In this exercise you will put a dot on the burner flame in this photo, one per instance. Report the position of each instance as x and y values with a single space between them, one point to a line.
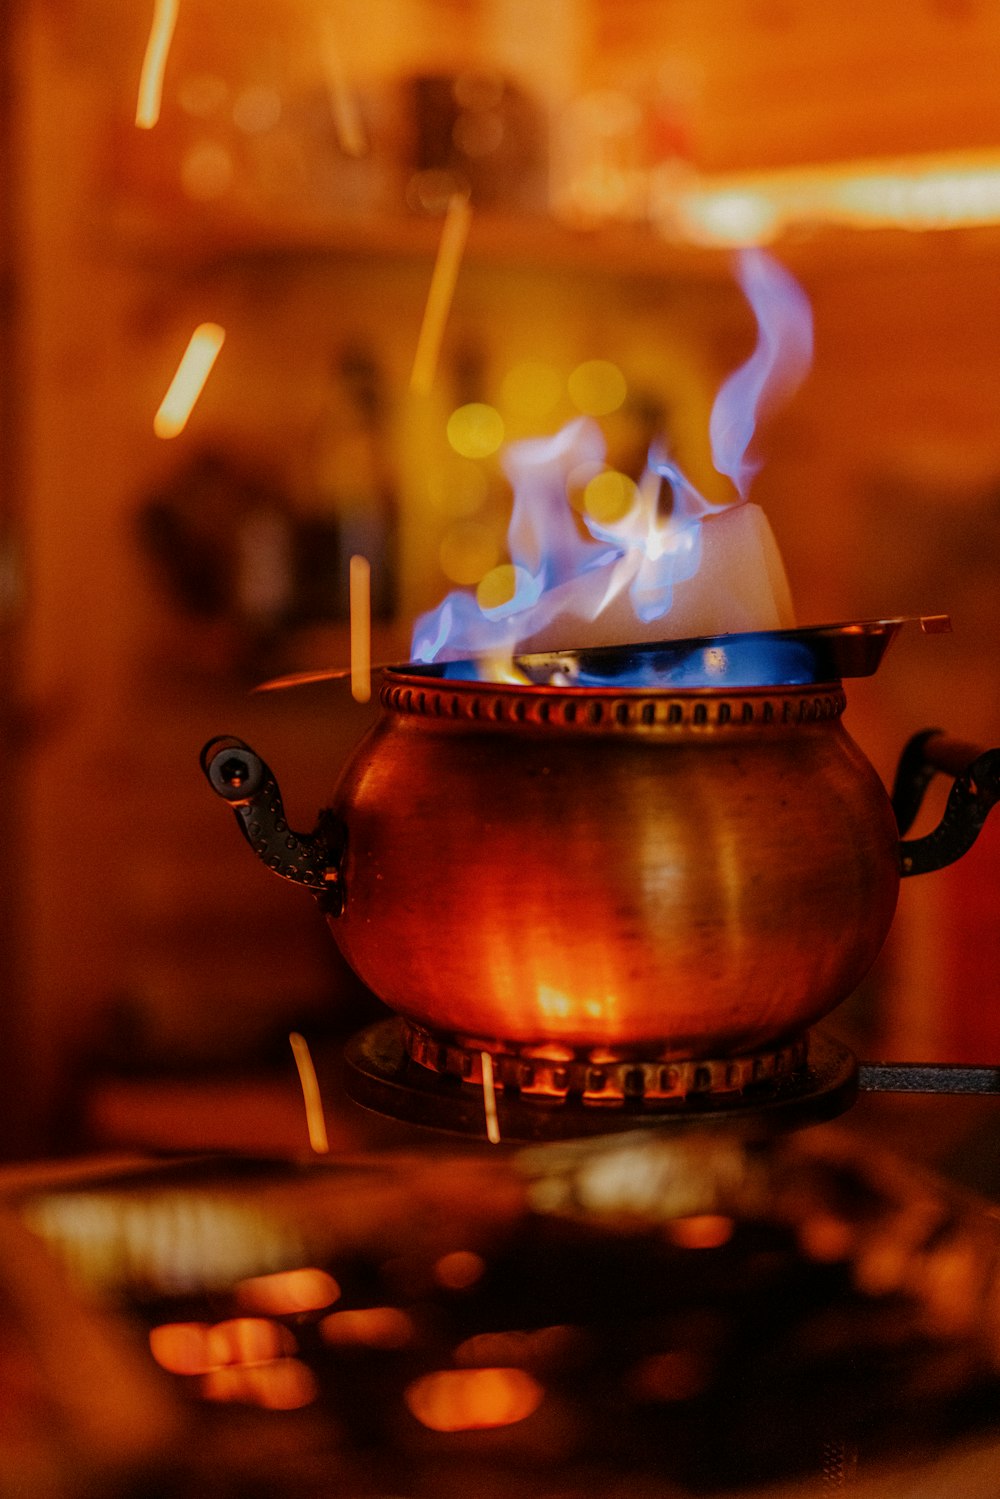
660 570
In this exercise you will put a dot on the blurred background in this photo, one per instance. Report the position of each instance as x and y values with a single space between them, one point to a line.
292 189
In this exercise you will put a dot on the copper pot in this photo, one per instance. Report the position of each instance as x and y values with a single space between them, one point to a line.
695 872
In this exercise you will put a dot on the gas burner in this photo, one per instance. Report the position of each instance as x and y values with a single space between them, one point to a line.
405 1071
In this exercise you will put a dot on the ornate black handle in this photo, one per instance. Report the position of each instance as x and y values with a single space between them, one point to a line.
240 777
975 792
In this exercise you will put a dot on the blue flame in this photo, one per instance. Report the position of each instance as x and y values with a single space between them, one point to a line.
560 572
775 369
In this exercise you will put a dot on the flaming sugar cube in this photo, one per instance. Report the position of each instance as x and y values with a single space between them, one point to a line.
740 584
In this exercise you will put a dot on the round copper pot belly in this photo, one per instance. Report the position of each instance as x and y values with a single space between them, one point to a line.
703 871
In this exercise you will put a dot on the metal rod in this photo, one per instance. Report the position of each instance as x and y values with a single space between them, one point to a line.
927 1077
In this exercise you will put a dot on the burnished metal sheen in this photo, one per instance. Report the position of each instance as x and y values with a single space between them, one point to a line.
610 877
695 872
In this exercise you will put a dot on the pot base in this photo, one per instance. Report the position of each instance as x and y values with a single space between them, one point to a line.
406 1072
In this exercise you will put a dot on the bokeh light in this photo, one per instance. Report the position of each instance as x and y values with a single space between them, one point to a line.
497 587
704 1231
207 171
597 387
284 1384
473 1399
609 496
476 430
468 550
288 1292
182 1347
368 1327
247 1340
531 390
459 1270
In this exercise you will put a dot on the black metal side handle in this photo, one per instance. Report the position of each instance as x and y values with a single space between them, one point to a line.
240 777
973 796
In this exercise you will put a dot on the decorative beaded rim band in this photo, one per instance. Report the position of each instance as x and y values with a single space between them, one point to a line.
611 708
600 1078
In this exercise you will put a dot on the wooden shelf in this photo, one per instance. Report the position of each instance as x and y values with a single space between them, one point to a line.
205 242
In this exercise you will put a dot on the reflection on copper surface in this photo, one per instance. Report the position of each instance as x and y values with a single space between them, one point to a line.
369 1327
459 1269
473 1399
282 1385
705 1231
288 1292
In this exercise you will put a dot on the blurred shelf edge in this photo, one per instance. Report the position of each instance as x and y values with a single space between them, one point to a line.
201 244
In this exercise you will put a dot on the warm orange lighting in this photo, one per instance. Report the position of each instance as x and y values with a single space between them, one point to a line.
284 1384
369 1327
934 191
309 1083
473 1399
454 234
288 1292
361 629
459 1270
154 63
490 1099
189 381
247 1340
182 1347
704 1231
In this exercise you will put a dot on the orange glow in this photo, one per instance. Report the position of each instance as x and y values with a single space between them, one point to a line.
288 1292
154 63
454 234
284 1384
370 1327
490 1099
473 1399
705 1231
189 381
361 629
541 1347
182 1347
459 1270
247 1340
934 191
309 1083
